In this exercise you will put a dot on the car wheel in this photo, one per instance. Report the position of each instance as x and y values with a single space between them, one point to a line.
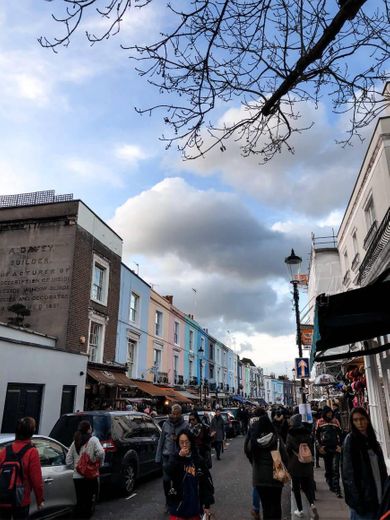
128 478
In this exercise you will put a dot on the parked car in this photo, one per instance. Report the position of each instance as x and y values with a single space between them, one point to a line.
232 425
60 497
204 415
160 420
129 440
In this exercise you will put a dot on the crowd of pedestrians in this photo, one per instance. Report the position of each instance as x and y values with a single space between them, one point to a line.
281 448
352 458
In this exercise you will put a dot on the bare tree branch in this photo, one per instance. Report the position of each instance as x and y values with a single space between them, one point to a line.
267 56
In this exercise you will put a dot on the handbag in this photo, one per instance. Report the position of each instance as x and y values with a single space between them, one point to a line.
86 467
280 472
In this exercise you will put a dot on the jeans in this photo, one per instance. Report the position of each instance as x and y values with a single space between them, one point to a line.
86 496
256 504
307 486
332 470
271 500
218 445
367 516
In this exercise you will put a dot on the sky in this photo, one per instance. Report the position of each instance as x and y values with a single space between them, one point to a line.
222 224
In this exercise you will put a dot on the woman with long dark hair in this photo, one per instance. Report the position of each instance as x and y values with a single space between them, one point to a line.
260 441
191 489
202 439
86 486
363 468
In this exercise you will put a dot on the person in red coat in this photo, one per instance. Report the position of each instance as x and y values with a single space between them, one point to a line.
32 472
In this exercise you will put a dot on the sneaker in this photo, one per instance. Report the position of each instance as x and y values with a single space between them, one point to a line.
255 515
298 513
339 494
314 513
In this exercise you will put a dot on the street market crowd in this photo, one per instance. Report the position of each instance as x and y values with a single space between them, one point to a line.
282 450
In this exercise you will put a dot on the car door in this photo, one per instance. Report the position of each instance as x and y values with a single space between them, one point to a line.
152 435
57 476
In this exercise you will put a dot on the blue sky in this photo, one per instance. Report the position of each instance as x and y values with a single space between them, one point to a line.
222 224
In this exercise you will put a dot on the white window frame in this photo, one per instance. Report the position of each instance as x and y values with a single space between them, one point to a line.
158 323
176 332
203 345
131 372
191 340
190 368
346 260
105 266
369 212
355 241
134 311
94 318
157 356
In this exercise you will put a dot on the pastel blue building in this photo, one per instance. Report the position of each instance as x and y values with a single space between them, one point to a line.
131 344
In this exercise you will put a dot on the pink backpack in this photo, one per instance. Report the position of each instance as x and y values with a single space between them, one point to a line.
304 454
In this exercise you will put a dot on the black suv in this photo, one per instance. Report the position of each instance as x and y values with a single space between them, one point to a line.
129 440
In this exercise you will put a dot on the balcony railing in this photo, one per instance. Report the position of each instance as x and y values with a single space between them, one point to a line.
162 377
378 242
370 235
193 381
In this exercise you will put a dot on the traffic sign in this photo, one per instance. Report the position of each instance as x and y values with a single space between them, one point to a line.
302 367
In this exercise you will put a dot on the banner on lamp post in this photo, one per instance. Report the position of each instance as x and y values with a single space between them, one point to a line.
307 334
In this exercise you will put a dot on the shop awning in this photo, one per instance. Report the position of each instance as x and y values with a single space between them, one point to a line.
108 377
159 391
344 319
188 395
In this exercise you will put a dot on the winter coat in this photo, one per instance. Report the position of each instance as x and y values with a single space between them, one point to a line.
281 427
93 448
358 480
167 441
32 471
328 435
191 486
218 426
295 437
258 452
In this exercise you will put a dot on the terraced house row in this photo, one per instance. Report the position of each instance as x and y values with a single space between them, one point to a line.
62 281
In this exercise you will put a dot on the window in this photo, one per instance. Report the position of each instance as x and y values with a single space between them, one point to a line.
158 323
355 242
100 273
346 264
202 344
95 343
191 340
190 369
211 371
369 213
157 357
134 307
50 453
211 351
131 356
176 333
67 399
175 367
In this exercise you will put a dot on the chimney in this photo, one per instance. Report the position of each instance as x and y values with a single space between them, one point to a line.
169 298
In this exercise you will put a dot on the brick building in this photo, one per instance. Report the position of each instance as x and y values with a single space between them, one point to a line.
62 262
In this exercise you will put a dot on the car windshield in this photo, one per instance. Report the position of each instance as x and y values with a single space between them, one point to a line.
66 426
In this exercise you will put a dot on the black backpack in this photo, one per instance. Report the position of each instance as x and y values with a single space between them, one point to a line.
12 477
330 436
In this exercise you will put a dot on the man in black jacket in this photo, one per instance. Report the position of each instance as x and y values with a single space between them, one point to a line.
329 440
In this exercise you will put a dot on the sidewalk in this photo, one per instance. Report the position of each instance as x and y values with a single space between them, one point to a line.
329 507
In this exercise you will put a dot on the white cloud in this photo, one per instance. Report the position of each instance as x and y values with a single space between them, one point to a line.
87 171
314 181
130 153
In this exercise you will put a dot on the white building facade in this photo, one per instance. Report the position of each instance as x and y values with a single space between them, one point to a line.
37 379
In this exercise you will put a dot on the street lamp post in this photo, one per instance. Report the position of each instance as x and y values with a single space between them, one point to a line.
293 263
200 352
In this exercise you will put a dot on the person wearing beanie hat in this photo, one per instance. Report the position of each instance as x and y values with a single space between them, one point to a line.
329 441
302 473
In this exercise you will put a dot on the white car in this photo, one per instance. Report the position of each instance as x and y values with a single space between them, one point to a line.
59 493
